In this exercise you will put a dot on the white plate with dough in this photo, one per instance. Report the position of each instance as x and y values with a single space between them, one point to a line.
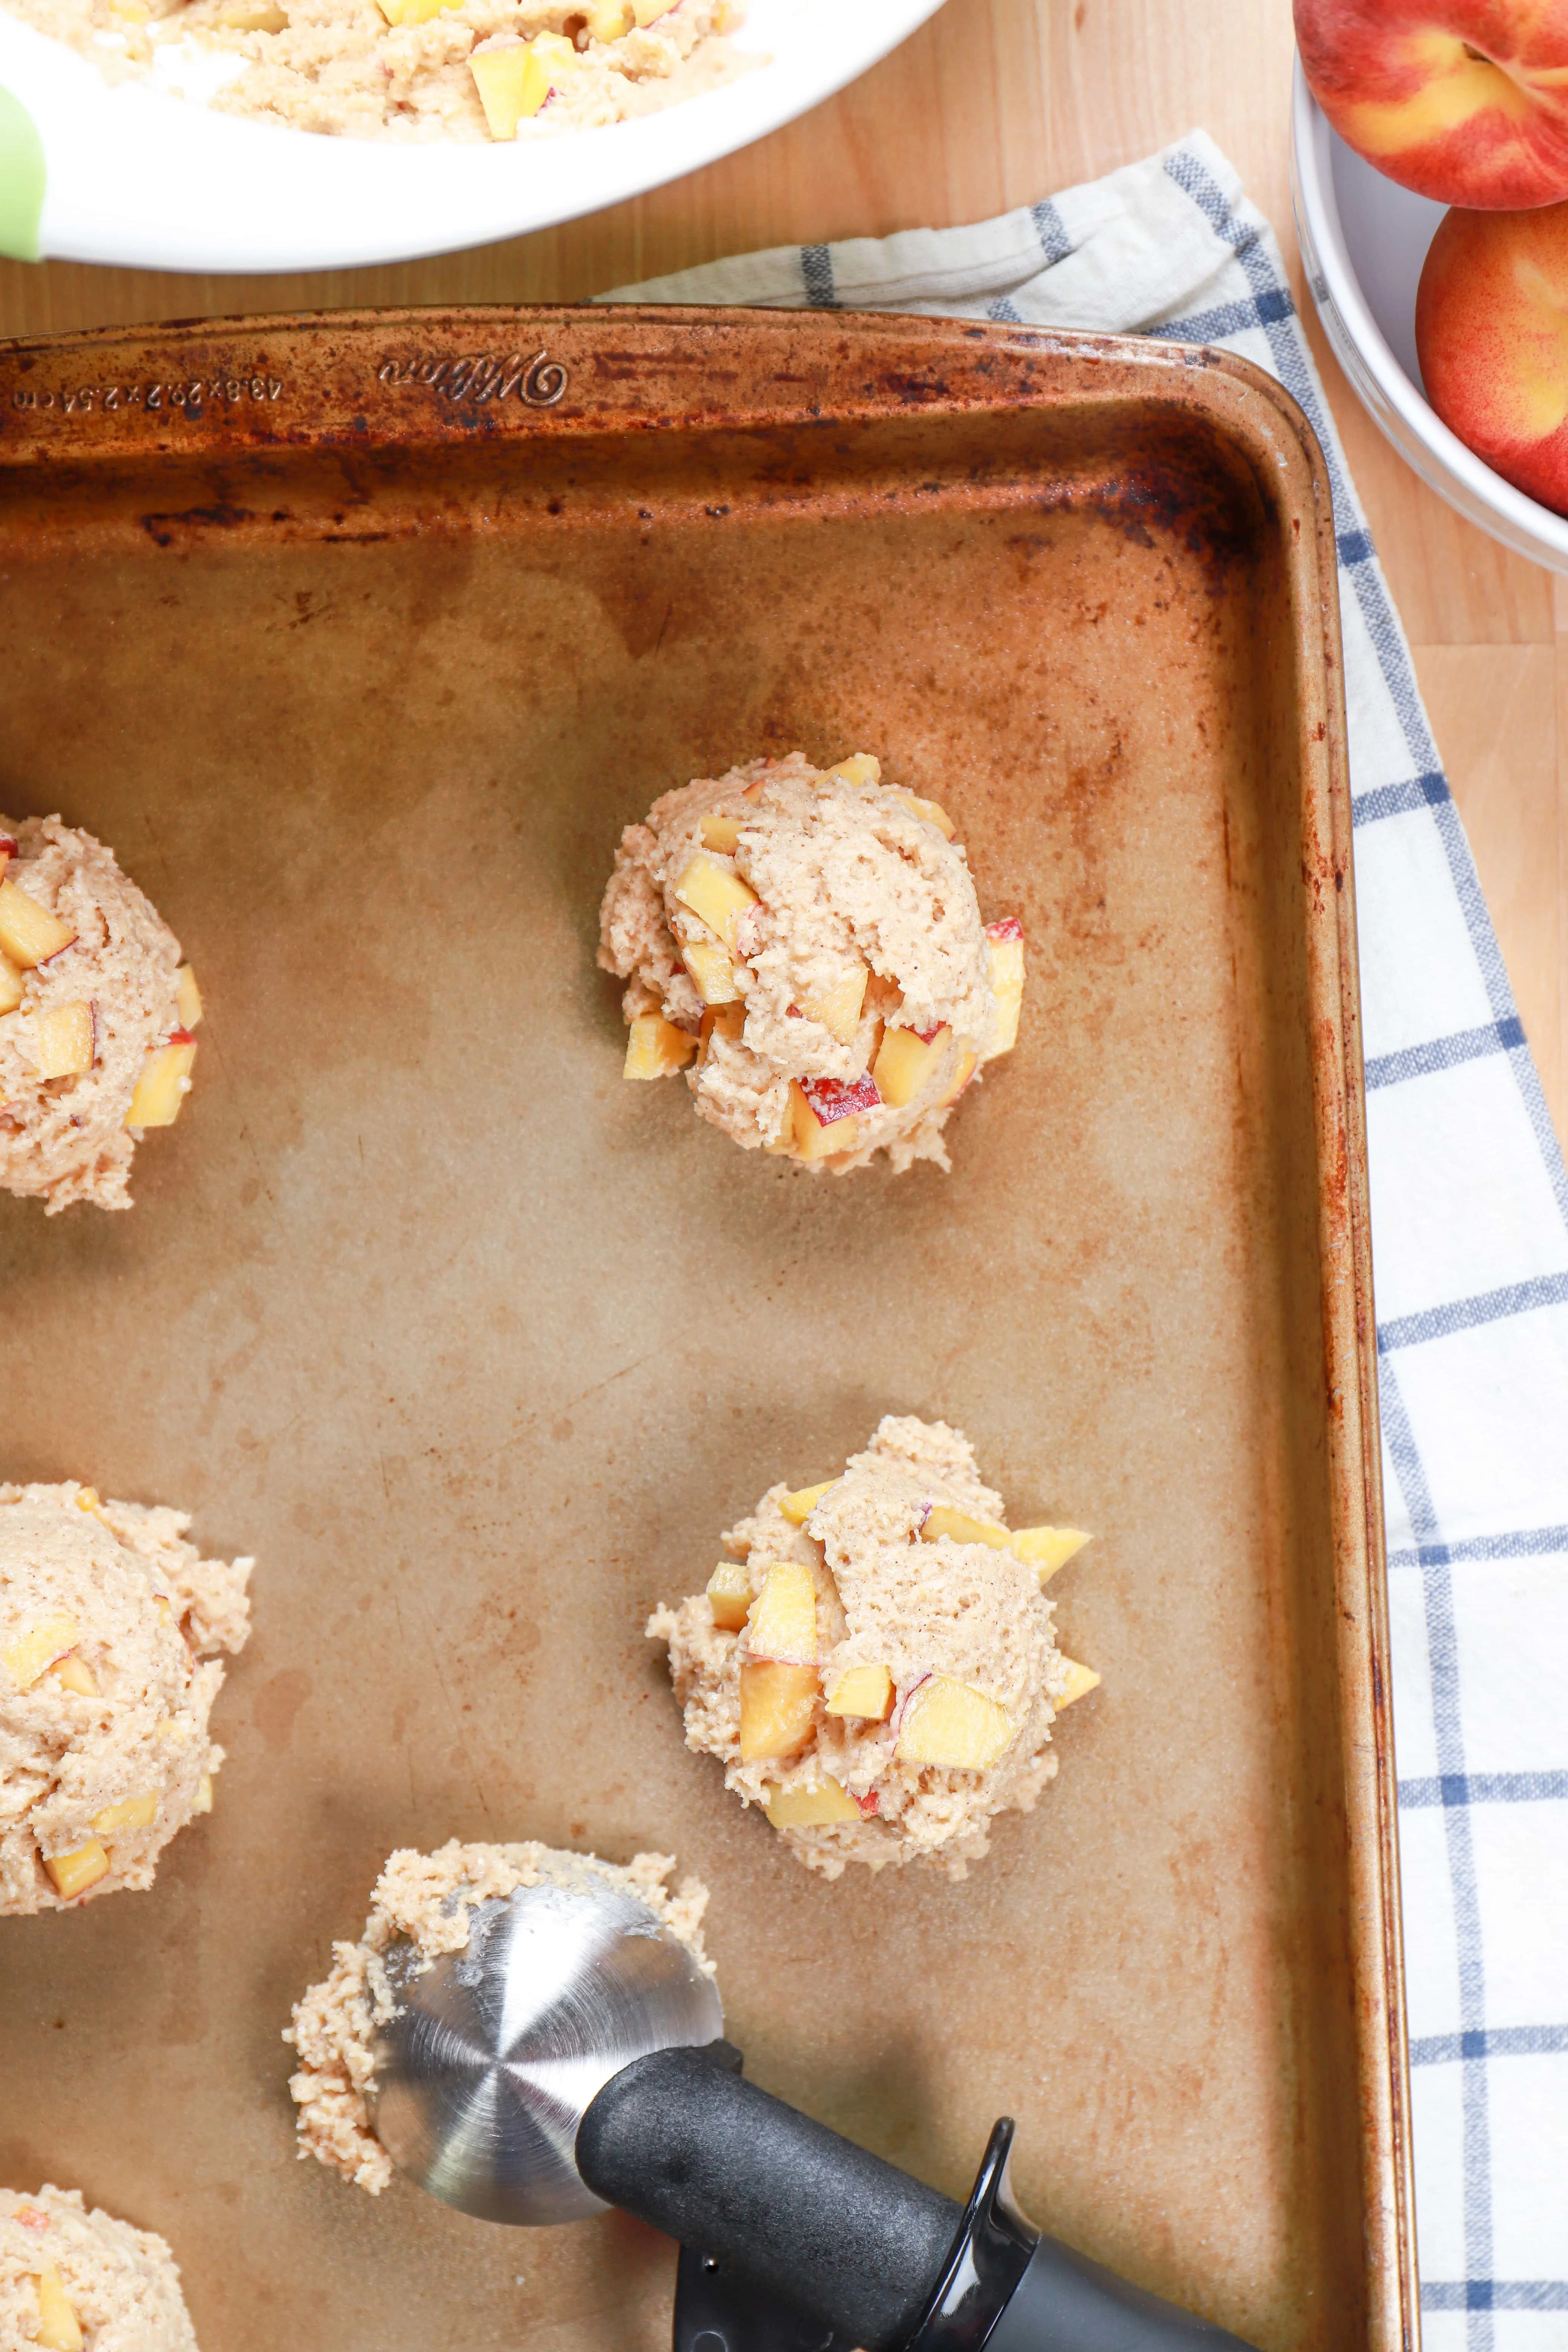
132 175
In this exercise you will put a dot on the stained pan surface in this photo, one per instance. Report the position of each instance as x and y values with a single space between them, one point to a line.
360 640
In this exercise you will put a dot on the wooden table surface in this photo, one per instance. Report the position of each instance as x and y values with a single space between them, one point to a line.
994 103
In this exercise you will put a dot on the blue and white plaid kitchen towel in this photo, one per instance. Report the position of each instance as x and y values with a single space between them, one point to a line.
1469 1206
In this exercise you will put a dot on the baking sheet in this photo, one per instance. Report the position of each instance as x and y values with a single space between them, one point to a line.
359 658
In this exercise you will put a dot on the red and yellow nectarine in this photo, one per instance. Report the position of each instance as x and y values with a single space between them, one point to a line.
1491 333
1464 101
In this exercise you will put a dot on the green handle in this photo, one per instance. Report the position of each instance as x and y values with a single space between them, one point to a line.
22 179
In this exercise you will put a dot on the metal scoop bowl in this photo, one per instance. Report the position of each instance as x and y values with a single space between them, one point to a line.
496 2053
569 2059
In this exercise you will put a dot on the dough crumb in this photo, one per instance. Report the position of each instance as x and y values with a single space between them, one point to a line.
121 2285
943 1643
109 1620
806 944
426 1898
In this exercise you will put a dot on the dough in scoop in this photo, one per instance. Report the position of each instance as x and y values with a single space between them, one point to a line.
59 2261
105 1006
426 1898
107 1621
807 943
877 1667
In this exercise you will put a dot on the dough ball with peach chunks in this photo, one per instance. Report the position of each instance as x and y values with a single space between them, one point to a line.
97 1013
806 945
108 1622
876 1665
425 1901
78 2281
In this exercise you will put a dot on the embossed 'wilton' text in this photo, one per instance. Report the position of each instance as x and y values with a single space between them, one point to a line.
538 382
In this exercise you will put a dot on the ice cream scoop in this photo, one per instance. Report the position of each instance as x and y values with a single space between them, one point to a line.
483 2077
572 2057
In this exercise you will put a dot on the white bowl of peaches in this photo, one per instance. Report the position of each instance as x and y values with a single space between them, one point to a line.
1430 176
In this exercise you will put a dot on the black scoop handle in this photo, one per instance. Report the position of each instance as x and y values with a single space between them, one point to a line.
792 2210
682 2142
1065 2302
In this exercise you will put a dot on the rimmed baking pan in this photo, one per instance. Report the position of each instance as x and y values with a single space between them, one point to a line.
360 638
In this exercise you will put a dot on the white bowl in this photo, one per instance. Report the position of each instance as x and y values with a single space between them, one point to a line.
139 177
1364 240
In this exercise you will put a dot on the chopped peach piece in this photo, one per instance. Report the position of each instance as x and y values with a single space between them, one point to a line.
74 1872
40 1647
557 50
825 1114
204 1799
838 1006
66 1040
412 12
810 1807
60 2329
608 19
513 79
29 934
721 1021
130 1813
864 1691
1047 1548
75 1674
712 970
1004 948
968 1065
656 1048
905 1061
730 1595
716 894
161 1088
1079 1680
187 998
931 811
649 12
860 768
778 1705
799 1507
950 1723
942 1520
10 985
722 833
783 1623
809 1137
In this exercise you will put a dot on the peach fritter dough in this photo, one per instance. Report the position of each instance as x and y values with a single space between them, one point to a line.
426 1898
69 2275
340 67
807 944
104 1005
876 1666
108 1622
